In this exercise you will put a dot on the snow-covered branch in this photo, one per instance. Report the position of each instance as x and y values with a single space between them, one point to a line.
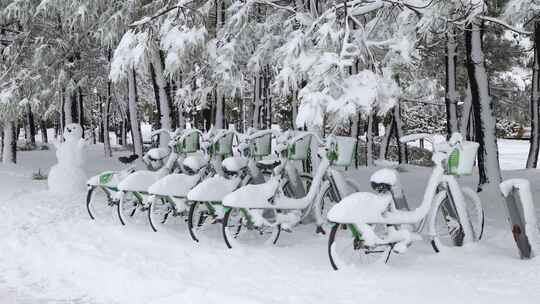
505 25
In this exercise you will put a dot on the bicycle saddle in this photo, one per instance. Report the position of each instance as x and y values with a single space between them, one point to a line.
158 153
192 164
234 164
268 164
128 159
384 180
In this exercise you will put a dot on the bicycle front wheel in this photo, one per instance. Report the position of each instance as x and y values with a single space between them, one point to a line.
475 212
127 207
325 203
346 248
201 217
159 211
237 228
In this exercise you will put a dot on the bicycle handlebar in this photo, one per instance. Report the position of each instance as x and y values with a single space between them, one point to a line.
439 142
261 133
165 131
415 137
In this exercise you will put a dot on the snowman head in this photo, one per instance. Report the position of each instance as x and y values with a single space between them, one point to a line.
72 132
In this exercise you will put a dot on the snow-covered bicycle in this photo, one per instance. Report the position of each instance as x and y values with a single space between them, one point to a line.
167 197
250 168
368 227
106 182
133 189
258 213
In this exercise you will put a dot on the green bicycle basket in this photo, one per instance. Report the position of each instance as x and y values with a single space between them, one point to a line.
261 146
190 142
461 159
343 153
299 148
223 145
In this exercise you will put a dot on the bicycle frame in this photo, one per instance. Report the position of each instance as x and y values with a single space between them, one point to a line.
325 176
423 216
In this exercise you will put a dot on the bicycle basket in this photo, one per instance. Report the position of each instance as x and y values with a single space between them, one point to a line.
344 151
462 157
190 142
223 146
261 145
298 149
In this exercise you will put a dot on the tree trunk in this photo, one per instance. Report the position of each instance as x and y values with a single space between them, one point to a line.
267 99
101 127
133 116
105 122
451 98
80 110
155 120
123 132
9 145
466 113
256 120
532 159
369 141
383 150
67 109
43 128
355 133
72 100
220 109
31 136
398 133
164 101
294 106
482 106
181 118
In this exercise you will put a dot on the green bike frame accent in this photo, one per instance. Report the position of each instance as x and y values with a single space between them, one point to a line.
453 162
105 178
355 231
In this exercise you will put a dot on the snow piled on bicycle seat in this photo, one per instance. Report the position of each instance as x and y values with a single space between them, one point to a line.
361 207
213 189
51 252
253 196
176 185
139 181
387 176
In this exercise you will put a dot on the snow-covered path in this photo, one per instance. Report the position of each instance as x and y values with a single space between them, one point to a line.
51 252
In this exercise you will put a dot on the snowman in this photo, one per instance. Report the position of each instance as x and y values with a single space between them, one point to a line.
67 176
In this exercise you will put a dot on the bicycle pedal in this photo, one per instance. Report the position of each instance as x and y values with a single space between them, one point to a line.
289 230
320 230
400 247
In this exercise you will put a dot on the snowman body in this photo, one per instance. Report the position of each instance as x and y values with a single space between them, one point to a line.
68 176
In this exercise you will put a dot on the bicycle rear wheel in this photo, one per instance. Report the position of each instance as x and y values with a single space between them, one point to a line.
346 248
99 202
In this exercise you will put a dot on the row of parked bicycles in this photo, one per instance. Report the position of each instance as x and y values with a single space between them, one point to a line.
252 187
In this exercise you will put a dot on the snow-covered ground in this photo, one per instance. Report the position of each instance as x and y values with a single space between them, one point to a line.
51 252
